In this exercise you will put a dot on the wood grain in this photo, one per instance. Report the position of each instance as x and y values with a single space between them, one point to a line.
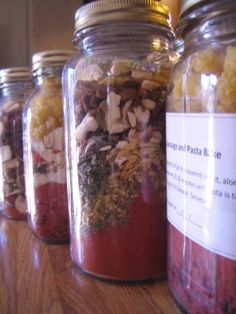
36 278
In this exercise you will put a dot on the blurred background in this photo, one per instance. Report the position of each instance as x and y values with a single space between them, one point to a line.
29 26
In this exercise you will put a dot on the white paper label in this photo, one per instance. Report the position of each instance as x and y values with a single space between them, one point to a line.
201 179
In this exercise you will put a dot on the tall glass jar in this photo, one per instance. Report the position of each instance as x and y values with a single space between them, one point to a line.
201 156
44 154
115 98
16 84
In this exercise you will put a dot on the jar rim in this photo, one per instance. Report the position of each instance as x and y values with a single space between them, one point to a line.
105 11
201 16
14 74
188 4
50 58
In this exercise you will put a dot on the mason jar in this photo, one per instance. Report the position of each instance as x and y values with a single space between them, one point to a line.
44 154
15 84
201 155
115 100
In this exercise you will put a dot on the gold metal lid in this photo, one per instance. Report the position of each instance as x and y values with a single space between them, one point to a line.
51 58
15 74
104 11
187 4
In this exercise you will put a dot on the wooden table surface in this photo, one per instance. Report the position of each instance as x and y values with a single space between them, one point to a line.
41 279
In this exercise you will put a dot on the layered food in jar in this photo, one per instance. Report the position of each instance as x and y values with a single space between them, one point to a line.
118 165
202 278
45 160
12 186
13 203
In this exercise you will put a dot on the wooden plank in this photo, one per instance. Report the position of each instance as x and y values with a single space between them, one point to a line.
36 278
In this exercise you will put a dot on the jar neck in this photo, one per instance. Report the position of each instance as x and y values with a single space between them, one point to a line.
17 89
123 39
207 24
49 73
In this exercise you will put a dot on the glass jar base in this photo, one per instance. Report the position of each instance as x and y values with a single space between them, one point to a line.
12 213
114 279
51 241
177 300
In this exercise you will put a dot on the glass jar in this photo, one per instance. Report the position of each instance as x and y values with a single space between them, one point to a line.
115 101
16 84
44 154
201 154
